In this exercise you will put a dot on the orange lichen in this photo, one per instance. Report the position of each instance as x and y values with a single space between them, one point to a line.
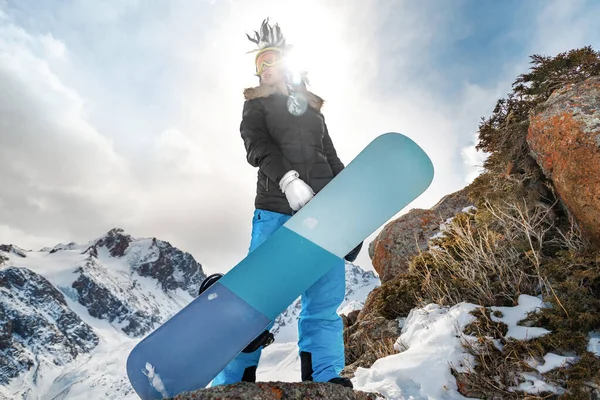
382 255
277 392
571 159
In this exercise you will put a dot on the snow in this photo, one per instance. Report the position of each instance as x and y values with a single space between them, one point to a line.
535 385
353 305
468 209
445 226
430 343
550 362
279 362
594 343
512 315
99 374
431 340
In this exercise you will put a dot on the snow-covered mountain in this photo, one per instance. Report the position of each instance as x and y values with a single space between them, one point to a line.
69 315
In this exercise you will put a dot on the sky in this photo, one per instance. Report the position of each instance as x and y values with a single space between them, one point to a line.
126 114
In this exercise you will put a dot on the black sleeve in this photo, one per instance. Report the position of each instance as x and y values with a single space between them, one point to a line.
260 149
336 165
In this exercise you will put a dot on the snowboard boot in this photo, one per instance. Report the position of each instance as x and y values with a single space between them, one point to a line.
249 374
342 381
307 371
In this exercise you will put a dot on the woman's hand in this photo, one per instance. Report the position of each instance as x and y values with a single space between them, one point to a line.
297 192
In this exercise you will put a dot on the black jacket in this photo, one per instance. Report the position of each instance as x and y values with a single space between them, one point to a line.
277 142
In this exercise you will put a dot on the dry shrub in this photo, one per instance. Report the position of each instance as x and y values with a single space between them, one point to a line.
383 347
486 264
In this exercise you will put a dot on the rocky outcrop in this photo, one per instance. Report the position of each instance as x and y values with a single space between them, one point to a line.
173 268
153 258
37 324
404 237
102 303
278 391
10 248
564 137
116 241
369 334
120 298
367 340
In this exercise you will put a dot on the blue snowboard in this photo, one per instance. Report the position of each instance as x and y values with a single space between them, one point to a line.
190 349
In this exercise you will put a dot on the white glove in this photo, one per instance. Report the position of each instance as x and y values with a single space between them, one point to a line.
297 192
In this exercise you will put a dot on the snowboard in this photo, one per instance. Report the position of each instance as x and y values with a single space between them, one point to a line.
191 348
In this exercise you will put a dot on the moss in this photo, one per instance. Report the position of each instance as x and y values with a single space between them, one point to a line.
579 378
574 301
484 326
395 298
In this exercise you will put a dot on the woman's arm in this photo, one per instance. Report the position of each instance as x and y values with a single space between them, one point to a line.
332 157
260 149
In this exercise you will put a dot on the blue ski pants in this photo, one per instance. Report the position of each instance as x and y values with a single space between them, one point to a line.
320 328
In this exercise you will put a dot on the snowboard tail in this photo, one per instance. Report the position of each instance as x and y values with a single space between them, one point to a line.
173 367
190 349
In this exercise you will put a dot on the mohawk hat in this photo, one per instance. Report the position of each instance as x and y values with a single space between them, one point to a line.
270 39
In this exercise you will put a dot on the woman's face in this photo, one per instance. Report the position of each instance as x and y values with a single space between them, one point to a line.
273 75
270 67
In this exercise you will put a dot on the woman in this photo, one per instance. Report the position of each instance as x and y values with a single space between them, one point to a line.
285 136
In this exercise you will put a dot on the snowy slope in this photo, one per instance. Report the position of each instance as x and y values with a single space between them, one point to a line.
70 315
429 344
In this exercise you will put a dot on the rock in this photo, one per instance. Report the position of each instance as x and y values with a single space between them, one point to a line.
278 391
371 335
10 248
352 316
350 319
403 238
564 138
105 299
153 258
116 241
103 304
37 324
173 269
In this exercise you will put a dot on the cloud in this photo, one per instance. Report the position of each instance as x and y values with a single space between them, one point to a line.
128 115
56 170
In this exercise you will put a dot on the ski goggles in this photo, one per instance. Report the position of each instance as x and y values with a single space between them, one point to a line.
267 57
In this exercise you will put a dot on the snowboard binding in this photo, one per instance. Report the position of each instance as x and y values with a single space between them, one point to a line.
262 340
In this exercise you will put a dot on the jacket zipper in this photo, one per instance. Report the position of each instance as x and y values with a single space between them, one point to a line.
303 155
267 179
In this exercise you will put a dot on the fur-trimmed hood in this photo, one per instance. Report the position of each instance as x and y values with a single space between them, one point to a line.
256 92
